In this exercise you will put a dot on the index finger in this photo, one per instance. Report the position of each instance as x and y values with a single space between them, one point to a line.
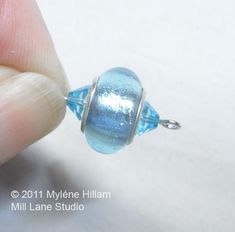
25 43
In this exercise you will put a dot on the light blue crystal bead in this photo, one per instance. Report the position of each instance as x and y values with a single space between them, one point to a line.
149 119
76 100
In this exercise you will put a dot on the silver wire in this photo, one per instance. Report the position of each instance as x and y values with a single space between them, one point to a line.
141 105
170 124
88 103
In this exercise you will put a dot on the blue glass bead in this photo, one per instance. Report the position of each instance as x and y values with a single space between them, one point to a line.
149 119
113 110
76 100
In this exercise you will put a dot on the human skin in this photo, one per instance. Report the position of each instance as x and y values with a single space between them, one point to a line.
32 81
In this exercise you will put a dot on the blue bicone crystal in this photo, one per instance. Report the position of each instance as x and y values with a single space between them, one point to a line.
76 100
149 119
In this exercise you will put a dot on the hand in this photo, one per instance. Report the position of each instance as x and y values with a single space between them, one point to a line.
32 81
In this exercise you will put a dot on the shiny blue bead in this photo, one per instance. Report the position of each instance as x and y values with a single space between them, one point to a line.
113 110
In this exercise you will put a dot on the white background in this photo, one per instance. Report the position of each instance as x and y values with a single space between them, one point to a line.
166 181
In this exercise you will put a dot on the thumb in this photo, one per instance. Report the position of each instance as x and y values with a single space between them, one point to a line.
31 105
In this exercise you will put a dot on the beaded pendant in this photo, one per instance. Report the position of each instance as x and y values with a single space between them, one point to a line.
113 110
